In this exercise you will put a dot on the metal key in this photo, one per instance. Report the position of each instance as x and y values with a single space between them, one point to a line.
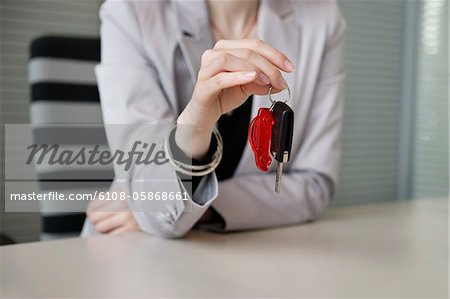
282 133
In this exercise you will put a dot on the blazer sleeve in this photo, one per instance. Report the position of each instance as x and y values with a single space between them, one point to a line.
131 94
249 202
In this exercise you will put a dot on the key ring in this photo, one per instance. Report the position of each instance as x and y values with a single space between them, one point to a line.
269 93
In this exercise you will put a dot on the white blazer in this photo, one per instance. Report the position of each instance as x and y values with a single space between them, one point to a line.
151 53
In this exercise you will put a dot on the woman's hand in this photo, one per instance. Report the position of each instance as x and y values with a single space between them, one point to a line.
112 216
230 72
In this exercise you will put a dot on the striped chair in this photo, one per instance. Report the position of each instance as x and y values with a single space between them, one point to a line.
64 91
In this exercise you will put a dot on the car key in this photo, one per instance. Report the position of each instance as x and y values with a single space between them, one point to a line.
270 134
260 136
282 133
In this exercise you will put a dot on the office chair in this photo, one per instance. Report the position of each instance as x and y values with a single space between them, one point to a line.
64 91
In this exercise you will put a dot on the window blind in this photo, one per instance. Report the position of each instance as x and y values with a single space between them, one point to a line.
374 49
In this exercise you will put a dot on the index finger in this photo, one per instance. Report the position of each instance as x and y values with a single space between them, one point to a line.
267 51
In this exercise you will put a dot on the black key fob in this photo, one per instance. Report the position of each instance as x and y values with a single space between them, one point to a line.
282 132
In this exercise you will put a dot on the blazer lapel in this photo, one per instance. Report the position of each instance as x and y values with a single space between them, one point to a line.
195 35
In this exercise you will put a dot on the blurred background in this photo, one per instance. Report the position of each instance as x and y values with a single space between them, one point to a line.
396 131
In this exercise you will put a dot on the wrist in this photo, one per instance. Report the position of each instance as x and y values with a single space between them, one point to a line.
201 118
193 141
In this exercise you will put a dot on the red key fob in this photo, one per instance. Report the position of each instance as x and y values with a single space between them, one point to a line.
260 136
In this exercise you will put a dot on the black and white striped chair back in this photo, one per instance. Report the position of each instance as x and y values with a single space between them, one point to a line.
64 91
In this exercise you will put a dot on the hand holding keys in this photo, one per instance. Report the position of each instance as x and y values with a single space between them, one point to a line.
270 133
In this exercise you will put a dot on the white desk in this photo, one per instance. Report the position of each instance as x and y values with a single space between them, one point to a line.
376 250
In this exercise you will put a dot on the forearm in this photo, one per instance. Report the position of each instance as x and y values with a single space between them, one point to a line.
249 202
170 218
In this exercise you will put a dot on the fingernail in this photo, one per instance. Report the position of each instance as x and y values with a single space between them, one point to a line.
289 65
282 83
264 78
249 74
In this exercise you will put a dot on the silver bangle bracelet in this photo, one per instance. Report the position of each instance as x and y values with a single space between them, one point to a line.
195 170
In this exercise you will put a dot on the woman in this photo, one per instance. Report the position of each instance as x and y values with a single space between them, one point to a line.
232 51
